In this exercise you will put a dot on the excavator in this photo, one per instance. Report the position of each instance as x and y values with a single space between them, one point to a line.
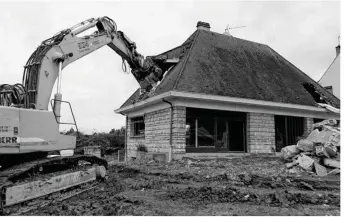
29 130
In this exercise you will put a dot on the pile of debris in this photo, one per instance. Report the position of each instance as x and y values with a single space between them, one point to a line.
319 152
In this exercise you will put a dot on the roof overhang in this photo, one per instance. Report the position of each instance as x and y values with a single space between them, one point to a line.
216 102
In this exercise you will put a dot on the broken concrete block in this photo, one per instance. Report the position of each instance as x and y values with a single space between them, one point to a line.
330 149
289 165
289 151
324 136
294 170
305 162
313 136
335 138
331 128
321 151
305 145
337 158
331 163
334 172
320 170
330 122
316 159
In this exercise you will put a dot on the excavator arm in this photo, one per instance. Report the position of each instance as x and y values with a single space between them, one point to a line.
46 63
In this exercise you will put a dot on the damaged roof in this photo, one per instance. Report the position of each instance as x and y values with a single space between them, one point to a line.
217 64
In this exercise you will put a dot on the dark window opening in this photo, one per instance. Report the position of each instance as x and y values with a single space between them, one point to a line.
190 132
287 130
137 126
206 132
215 131
221 134
314 93
317 120
236 129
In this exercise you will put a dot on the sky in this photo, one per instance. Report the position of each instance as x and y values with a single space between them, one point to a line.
304 32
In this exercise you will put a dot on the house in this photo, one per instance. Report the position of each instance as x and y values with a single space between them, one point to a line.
331 78
224 95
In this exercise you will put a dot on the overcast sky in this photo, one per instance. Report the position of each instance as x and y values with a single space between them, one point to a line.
304 32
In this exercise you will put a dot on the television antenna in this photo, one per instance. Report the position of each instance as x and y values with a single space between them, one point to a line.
228 28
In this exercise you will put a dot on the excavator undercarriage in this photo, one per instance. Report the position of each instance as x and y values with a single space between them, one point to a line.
44 176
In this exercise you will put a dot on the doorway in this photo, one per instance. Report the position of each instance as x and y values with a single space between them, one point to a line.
287 129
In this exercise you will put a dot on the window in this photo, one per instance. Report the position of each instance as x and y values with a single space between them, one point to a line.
215 131
137 126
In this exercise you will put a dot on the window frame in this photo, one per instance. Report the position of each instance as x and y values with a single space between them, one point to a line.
195 114
137 124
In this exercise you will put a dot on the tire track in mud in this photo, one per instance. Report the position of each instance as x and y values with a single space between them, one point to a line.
253 189
121 193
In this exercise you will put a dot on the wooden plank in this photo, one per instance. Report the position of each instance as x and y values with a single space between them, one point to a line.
31 190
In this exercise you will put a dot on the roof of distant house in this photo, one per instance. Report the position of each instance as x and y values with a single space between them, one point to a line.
217 64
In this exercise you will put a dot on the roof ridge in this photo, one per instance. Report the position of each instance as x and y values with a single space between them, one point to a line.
328 68
169 50
186 60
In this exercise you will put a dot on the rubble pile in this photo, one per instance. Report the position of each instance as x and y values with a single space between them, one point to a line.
318 153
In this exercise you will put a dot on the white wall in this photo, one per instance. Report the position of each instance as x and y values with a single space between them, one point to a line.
331 77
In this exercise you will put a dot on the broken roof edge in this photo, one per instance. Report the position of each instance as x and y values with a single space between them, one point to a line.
305 74
225 100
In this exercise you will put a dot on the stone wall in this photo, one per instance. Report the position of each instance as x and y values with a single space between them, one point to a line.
178 132
157 133
132 141
260 133
308 125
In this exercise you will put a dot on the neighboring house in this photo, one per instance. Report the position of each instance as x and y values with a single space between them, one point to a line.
331 78
224 95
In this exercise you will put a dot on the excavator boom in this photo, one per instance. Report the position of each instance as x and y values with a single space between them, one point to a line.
42 68
28 131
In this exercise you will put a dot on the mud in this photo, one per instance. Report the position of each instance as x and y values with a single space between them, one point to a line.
241 186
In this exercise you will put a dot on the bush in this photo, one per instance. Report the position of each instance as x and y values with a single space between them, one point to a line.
109 142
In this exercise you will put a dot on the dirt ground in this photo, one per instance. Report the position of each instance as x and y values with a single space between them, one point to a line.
236 186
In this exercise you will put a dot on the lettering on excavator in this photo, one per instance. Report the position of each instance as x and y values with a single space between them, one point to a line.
5 140
4 129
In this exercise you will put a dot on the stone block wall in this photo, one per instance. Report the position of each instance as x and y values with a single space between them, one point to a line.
260 133
179 132
157 132
132 142
308 125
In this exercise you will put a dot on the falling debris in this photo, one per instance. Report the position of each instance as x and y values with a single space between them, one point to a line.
319 152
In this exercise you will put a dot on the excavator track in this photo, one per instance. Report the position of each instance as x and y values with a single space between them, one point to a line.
25 172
